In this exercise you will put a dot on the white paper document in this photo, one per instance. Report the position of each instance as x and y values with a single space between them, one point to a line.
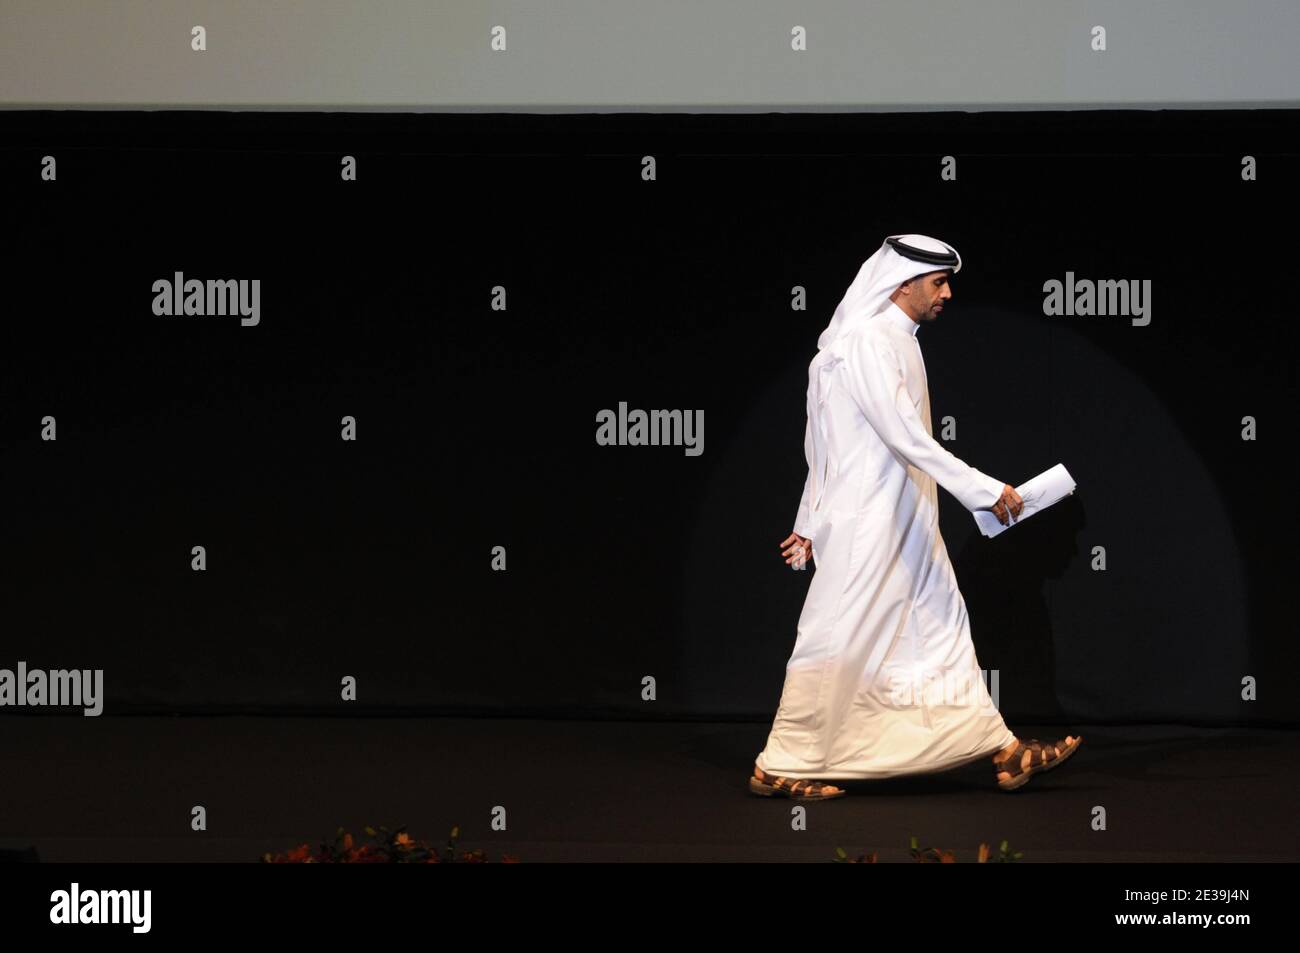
1039 493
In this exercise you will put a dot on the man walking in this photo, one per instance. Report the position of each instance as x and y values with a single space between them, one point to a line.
883 680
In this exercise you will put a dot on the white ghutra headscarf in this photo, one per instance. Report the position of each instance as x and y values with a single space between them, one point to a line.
899 258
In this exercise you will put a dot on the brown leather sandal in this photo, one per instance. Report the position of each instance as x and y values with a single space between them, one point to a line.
1042 758
797 789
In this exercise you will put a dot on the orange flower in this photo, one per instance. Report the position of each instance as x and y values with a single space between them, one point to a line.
404 840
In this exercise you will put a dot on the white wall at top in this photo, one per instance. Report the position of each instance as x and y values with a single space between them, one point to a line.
696 55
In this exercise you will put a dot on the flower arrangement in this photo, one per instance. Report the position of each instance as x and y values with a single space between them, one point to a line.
382 846
933 855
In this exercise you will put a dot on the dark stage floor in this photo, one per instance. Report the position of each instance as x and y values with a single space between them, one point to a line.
121 789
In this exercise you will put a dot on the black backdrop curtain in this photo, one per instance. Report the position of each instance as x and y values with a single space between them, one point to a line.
476 427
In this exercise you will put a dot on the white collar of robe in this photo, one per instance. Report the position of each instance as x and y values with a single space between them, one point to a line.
900 318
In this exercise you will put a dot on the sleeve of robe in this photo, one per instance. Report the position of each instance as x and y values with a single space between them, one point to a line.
874 373
801 518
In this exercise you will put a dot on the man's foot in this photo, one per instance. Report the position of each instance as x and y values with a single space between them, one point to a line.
798 789
1036 757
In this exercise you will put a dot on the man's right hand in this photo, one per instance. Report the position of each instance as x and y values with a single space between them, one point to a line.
799 551
1010 502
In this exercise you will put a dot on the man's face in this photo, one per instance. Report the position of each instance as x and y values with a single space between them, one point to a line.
929 294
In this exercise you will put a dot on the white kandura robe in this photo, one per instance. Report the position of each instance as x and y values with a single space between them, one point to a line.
884 624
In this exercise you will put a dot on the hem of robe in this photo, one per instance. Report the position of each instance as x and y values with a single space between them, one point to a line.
912 768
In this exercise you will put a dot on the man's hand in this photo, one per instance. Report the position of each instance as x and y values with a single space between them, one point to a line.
798 550
1010 501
